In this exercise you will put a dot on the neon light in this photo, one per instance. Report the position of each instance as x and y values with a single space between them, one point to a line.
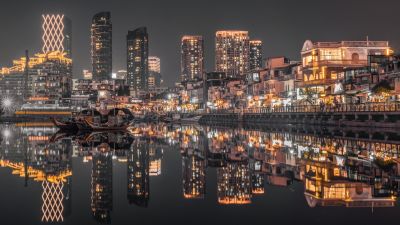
53 33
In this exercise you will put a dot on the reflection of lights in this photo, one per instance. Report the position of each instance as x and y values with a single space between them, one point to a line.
102 94
7 103
6 133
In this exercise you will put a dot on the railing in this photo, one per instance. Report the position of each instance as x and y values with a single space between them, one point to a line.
365 107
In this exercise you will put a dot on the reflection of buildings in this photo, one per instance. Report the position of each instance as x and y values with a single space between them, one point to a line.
138 174
335 170
102 184
155 160
327 184
257 183
234 184
27 151
193 173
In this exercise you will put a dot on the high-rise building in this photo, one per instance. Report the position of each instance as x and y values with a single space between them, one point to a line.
137 60
192 57
101 41
232 52
57 34
154 72
256 55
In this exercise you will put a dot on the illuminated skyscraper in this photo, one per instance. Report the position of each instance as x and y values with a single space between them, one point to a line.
57 34
192 57
256 56
101 40
138 174
232 52
137 60
154 72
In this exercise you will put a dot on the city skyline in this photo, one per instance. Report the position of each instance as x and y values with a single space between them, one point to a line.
280 36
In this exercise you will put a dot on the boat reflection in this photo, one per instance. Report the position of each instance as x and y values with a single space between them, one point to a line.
336 167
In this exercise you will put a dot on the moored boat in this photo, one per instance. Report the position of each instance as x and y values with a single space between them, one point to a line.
67 125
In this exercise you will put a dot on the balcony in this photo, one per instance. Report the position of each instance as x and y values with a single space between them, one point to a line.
336 63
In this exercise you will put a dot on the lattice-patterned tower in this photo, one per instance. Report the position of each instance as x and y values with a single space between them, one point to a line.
57 33
52 197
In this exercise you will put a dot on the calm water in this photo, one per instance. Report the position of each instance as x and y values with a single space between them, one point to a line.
198 175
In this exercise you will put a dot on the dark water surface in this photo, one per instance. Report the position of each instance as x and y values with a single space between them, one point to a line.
198 175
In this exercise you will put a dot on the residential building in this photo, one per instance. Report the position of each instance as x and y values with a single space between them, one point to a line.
232 52
192 57
137 61
256 55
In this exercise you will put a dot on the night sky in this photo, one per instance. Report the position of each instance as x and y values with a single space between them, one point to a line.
282 25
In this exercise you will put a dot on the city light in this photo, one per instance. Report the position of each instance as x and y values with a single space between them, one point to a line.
8 104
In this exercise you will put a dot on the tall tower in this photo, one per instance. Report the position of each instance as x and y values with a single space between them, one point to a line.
154 72
137 60
256 56
57 34
192 57
101 41
232 52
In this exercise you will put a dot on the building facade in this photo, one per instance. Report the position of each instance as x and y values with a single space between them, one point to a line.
57 34
256 55
192 57
137 60
101 42
49 76
232 52
155 79
325 63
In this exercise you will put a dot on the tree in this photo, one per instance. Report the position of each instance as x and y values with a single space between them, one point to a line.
310 95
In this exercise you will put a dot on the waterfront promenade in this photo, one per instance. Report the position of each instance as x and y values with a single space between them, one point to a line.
385 115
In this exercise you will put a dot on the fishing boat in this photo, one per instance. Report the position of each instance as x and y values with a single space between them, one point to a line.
93 120
106 126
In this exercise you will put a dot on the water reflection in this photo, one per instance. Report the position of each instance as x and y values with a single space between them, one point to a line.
336 170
